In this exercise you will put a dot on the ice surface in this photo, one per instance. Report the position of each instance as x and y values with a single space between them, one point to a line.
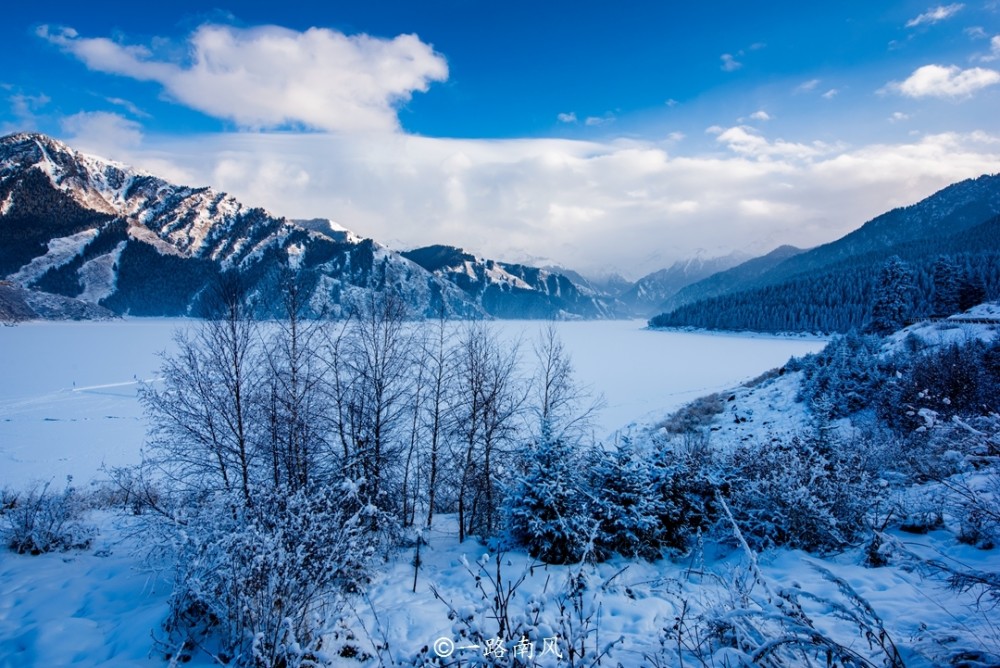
68 396
645 374
68 391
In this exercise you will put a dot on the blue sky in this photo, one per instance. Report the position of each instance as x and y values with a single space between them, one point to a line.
597 137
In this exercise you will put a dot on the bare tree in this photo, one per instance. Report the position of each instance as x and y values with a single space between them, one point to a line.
296 402
410 492
564 409
202 421
371 364
486 423
438 359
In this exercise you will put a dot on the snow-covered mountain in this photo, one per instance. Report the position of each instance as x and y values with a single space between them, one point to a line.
647 295
510 290
98 231
610 286
727 280
18 303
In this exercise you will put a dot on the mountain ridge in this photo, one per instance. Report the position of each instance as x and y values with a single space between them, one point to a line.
96 230
831 287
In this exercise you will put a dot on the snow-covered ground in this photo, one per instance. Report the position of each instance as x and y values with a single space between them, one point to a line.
104 606
645 373
97 607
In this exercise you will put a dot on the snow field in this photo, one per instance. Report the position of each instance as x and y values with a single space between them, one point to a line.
104 606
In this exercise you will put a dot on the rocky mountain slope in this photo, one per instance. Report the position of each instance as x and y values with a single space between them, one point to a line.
99 232
510 290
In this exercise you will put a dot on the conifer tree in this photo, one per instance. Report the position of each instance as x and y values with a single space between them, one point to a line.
893 303
947 282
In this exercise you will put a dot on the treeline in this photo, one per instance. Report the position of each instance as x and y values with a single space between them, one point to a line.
841 298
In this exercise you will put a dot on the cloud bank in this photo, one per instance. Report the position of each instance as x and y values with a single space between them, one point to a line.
623 205
631 205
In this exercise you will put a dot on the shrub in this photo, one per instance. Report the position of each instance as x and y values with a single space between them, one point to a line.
625 506
844 377
955 380
259 585
695 415
684 495
798 494
39 521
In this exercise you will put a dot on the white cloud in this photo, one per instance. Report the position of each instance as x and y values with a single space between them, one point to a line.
994 53
24 108
749 142
94 131
760 115
940 81
898 116
128 106
600 120
935 14
729 63
272 77
676 136
830 94
755 208
671 102
976 32
567 118
807 86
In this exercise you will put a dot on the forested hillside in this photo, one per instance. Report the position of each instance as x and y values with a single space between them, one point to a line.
842 297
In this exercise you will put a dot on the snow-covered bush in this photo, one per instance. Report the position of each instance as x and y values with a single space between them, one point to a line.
799 494
549 507
625 506
258 585
496 618
753 622
973 500
37 521
778 627
844 377
682 487
560 625
575 504
957 380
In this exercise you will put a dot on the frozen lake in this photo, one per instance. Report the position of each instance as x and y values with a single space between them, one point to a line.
68 390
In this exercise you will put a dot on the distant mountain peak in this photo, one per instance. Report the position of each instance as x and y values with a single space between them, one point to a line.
330 229
649 292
